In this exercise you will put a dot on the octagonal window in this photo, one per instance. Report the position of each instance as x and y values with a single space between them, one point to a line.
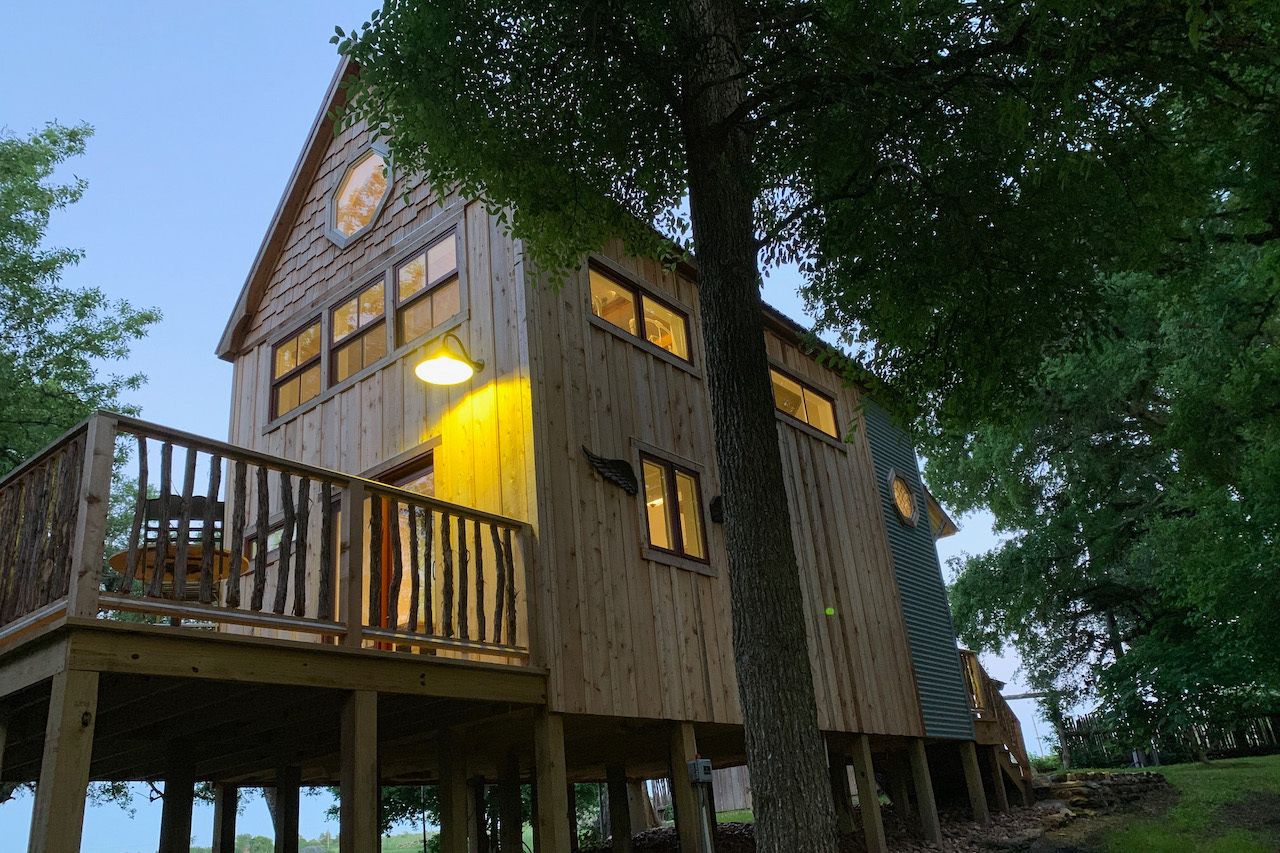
358 197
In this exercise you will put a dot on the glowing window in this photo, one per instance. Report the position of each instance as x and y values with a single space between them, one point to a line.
357 333
904 499
427 290
295 371
639 314
359 196
673 508
803 403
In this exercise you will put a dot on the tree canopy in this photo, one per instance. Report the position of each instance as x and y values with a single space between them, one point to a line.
54 339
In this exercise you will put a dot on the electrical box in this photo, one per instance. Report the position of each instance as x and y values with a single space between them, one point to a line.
700 771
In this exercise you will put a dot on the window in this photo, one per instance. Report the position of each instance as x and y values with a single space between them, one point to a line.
358 197
803 403
673 508
639 314
427 290
295 371
357 334
904 499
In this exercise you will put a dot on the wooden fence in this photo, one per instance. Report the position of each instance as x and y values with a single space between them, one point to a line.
1093 740
228 539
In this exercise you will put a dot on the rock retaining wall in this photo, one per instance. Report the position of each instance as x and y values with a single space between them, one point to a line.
1086 793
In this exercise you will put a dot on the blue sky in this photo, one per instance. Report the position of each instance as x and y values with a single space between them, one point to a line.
200 111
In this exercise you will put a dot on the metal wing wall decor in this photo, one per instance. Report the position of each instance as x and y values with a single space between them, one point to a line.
616 471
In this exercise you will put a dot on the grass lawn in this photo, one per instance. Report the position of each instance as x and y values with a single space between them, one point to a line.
1228 806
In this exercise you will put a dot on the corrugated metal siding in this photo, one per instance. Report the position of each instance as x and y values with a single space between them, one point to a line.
943 699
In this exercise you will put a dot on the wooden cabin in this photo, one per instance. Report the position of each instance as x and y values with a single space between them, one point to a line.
465 530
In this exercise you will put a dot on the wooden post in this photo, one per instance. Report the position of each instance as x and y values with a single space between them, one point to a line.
639 805
998 792
973 781
510 820
226 800
351 564
288 800
620 810
358 805
453 799
684 799
85 574
58 817
175 816
864 778
841 797
926 805
571 815
478 816
552 807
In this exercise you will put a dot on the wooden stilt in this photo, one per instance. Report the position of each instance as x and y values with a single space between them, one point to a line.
973 781
358 806
684 748
926 805
549 769
864 778
288 800
640 806
571 815
175 816
1000 796
478 816
510 821
58 817
453 799
841 796
620 810
226 800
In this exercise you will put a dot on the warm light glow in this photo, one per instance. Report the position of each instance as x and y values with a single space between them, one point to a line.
446 364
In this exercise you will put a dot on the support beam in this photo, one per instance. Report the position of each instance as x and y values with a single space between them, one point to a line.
571 815
864 778
226 801
684 799
510 820
57 820
550 820
478 816
620 810
841 796
1000 796
175 815
288 801
973 781
926 804
358 804
640 806
453 798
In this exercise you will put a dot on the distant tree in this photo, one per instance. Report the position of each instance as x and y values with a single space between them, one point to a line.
54 339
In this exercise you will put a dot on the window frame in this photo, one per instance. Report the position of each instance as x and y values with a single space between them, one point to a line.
805 426
273 399
342 241
639 293
890 478
670 465
332 346
428 288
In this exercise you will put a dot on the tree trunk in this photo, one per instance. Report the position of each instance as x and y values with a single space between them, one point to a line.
785 751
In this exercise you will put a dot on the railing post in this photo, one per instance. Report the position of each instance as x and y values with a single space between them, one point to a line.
351 564
87 547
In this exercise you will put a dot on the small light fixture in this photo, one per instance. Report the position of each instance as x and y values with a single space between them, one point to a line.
447 364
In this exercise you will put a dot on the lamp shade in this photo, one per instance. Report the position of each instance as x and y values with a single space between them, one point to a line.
447 363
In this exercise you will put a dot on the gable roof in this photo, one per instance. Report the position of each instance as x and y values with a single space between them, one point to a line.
286 212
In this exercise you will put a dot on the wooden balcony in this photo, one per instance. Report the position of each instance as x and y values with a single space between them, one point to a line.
994 722
228 541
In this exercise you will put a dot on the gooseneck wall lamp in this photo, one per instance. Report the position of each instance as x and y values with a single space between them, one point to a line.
447 363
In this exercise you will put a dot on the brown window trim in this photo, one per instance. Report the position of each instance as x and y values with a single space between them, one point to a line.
816 391
427 289
673 497
359 334
638 294
277 381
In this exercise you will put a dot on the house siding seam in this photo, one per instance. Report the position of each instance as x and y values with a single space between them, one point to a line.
930 631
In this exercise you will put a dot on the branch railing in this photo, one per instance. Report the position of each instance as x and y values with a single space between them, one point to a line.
209 535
